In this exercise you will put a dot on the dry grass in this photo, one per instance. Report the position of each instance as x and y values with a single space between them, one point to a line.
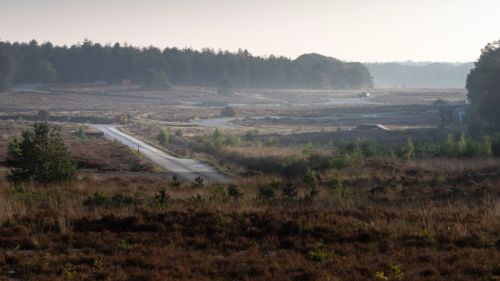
260 151
445 230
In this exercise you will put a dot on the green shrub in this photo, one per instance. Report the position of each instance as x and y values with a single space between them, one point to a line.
335 183
409 149
319 255
41 155
216 138
69 271
124 245
232 140
98 198
163 136
271 142
310 179
289 191
229 111
234 192
219 194
175 182
198 182
161 197
266 192
309 149
251 134
340 161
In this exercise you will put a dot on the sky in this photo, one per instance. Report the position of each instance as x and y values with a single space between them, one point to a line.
351 30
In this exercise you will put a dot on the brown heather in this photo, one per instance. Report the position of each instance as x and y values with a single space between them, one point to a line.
391 221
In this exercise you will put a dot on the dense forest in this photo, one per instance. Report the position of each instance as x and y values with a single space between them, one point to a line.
88 62
419 75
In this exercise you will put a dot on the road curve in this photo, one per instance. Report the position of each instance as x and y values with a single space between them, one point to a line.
187 169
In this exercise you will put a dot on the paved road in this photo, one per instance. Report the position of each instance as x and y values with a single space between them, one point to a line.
187 169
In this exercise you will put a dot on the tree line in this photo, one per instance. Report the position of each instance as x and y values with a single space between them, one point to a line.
88 61
419 75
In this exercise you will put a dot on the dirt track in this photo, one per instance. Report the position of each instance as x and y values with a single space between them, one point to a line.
187 169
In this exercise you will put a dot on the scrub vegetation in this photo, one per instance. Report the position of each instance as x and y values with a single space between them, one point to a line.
324 185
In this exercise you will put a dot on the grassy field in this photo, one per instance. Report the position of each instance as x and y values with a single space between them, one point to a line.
386 219
299 207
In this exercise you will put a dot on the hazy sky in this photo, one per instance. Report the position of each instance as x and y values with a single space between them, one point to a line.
361 30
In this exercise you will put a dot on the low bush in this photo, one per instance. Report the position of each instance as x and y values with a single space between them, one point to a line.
266 193
289 191
234 192
163 136
229 111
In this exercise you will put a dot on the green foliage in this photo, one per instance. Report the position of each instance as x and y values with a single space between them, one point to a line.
271 142
156 80
163 136
175 182
81 134
425 234
335 183
380 275
234 192
289 191
124 245
395 273
228 111
409 149
150 66
68 271
45 72
232 140
309 149
318 254
99 198
266 193
162 81
219 194
179 133
483 89
225 85
251 134
98 263
161 197
322 72
353 153
218 140
198 182
41 155
340 161
310 179
7 68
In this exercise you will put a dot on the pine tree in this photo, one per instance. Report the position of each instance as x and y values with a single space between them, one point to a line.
40 156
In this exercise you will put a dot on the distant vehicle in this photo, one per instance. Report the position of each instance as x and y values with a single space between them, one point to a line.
364 95
372 127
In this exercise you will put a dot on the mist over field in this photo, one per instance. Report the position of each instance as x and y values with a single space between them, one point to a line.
419 75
